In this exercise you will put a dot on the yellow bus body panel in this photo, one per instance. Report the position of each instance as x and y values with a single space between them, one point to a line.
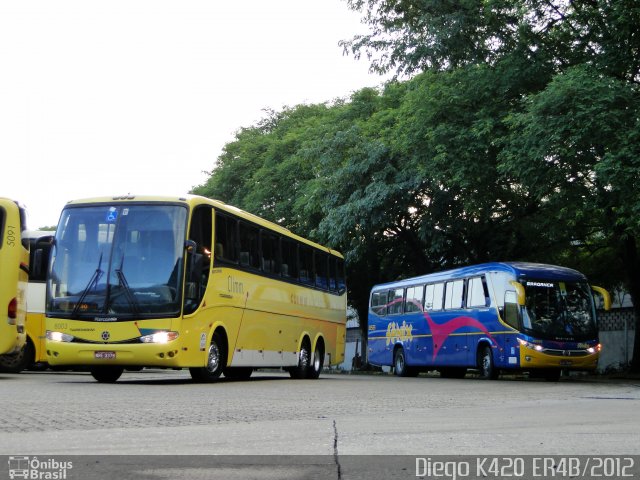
13 278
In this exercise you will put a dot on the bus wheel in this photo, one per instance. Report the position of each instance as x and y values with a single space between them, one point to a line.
215 362
486 366
106 374
238 373
400 365
304 357
316 365
16 362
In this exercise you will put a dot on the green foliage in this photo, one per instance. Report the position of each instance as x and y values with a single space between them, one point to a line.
410 36
517 137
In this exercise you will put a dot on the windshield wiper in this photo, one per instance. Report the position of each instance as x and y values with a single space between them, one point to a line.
127 290
93 282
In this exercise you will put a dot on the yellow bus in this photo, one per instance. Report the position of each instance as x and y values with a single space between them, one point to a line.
32 355
14 271
192 283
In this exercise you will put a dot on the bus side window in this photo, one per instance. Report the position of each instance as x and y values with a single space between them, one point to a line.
249 245
413 302
395 299
226 238
477 295
453 296
270 246
306 265
341 277
322 265
434 301
199 261
511 317
379 303
289 258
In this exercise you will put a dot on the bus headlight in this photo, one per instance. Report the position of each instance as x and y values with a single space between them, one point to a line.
533 346
595 349
159 337
59 337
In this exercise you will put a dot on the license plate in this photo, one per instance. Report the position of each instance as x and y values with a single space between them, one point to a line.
566 363
104 355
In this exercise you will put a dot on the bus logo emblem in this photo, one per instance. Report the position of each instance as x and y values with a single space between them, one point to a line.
105 336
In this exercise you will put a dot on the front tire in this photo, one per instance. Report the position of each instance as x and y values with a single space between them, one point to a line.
486 366
216 362
107 374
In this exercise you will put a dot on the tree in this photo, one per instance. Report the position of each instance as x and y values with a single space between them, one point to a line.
571 150
576 149
411 36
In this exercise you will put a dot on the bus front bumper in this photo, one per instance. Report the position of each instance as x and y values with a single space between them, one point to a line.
530 358
168 355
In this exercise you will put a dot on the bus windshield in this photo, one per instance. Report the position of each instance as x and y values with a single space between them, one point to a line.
117 262
559 310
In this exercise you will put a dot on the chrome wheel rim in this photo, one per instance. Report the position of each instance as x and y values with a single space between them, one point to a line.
214 358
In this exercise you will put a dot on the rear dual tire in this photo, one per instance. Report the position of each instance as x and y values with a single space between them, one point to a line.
309 366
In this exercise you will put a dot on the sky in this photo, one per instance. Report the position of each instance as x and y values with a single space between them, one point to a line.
140 96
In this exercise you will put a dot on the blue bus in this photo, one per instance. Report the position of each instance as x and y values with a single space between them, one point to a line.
492 317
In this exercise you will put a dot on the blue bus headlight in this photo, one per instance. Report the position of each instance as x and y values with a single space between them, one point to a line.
159 337
59 337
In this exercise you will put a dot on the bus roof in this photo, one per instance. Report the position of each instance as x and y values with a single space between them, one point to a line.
194 200
538 271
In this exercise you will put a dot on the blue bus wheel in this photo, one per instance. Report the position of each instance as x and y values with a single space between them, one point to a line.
487 368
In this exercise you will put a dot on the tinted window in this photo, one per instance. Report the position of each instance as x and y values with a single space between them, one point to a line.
322 270
249 245
270 247
340 277
199 259
226 238
289 258
306 264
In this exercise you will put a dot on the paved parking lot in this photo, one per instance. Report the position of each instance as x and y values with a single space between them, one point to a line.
162 412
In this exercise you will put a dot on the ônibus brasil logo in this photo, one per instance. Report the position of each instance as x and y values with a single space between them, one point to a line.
38 469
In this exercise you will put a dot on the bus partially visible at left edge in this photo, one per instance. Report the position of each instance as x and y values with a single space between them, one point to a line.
14 271
32 355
